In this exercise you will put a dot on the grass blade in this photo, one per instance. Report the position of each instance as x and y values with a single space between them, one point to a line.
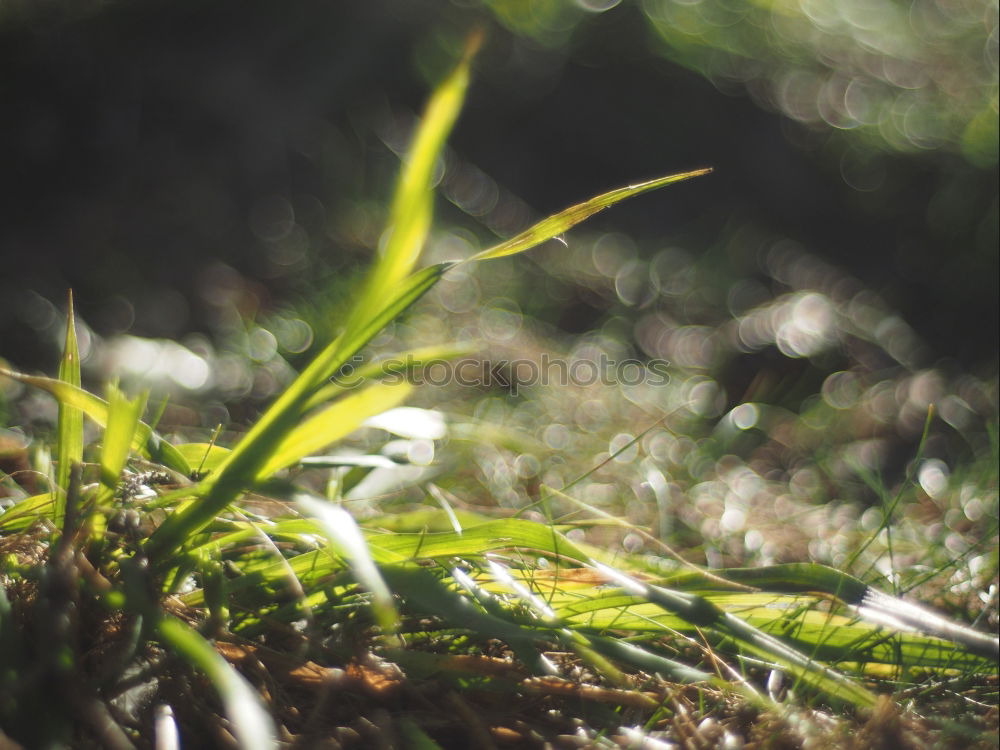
22 515
869 602
146 440
240 468
332 423
249 721
70 422
702 613
119 435
345 536
410 214
555 225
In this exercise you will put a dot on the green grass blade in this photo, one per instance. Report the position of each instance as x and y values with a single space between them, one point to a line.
240 468
870 603
119 436
70 423
427 593
391 368
203 457
146 440
22 515
509 534
250 723
332 423
702 613
345 536
555 225
411 211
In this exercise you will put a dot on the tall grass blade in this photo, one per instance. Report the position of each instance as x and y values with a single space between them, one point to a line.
410 214
240 467
70 423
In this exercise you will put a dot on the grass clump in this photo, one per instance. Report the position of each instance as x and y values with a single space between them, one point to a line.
156 589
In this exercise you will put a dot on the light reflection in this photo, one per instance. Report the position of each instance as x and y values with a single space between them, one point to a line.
902 77
841 390
933 477
745 416
272 218
501 320
157 363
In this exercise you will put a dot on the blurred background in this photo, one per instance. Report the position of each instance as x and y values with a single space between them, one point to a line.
159 157
211 177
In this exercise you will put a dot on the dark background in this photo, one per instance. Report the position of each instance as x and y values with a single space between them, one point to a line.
140 139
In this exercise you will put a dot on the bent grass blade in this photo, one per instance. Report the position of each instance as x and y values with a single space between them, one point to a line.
555 225
146 440
250 722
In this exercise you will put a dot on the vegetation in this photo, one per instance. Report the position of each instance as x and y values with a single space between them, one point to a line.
253 594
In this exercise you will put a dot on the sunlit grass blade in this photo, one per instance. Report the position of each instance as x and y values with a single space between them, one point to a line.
804 621
250 723
146 440
70 423
412 204
391 368
555 225
119 436
332 423
203 457
869 602
254 448
20 516
495 536
346 538
702 613
895 612
239 469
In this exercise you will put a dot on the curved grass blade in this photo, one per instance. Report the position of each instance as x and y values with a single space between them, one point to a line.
332 423
475 541
20 516
70 422
345 536
250 723
555 225
146 440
